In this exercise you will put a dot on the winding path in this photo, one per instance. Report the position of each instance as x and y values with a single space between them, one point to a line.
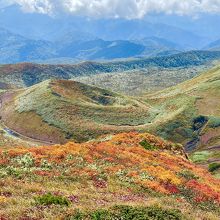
17 135
217 147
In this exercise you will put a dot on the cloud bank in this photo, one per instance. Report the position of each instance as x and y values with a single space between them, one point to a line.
130 9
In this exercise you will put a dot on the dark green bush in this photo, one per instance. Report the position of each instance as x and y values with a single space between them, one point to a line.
187 174
214 166
199 122
145 213
214 122
50 199
147 146
131 213
77 216
101 215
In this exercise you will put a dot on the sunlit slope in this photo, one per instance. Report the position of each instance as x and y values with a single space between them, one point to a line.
197 107
60 110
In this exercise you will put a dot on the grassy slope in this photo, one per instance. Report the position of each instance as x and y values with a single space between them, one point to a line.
60 110
112 170
199 118
67 109
137 82
56 111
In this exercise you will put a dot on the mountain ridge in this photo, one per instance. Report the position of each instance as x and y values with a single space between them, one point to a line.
27 74
75 48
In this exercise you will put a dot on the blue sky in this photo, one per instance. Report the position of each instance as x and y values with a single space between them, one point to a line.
129 9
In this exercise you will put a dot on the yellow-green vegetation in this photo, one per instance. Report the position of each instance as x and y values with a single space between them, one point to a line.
60 110
193 111
130 213
214 166
201 156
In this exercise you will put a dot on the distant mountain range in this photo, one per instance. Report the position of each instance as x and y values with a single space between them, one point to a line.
73 47
39 26
16 48
44 39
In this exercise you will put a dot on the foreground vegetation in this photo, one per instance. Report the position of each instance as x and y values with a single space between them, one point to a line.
125 176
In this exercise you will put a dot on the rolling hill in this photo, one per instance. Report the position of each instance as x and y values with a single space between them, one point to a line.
124 176
103 111
60 110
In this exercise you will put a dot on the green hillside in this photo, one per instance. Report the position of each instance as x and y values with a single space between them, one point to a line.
195 114
138 82
60 110
56 111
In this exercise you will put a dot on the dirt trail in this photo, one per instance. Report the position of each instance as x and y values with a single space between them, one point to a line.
22 137
217 147
213 160
15 134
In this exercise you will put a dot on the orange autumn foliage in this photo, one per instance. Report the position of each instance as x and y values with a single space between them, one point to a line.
122 157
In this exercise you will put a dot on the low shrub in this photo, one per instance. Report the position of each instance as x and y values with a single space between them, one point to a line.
147 145
101 215
213 167
50 199
199 122
201 156
188 175
214 122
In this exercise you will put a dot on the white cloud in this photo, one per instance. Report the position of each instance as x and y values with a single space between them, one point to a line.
118 8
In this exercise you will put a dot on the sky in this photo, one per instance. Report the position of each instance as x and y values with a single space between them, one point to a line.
128 9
